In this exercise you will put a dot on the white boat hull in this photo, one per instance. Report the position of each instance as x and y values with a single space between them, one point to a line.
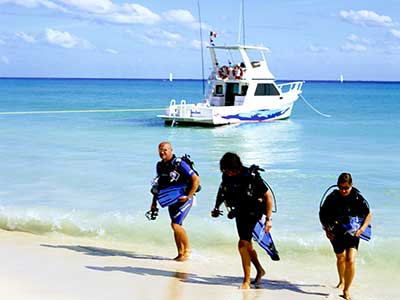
206 115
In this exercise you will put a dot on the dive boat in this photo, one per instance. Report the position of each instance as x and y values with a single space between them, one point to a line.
242 89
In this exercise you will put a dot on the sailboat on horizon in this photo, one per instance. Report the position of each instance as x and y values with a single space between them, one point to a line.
341 78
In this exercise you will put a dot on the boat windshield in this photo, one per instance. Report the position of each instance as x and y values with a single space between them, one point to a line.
231 57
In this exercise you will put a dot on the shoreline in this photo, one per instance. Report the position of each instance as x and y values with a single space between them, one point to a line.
63 267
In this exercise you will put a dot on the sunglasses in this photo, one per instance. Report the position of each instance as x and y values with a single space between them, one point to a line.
345 188
231 172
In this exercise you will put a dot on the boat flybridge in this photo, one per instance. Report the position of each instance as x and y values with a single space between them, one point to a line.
242 89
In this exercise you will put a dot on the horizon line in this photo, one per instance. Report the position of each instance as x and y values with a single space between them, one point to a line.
190 79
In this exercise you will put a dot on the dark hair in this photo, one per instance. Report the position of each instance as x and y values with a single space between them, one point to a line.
345 178
230 161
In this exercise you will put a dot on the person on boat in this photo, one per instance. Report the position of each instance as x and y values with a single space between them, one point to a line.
338 208
171 172
247 199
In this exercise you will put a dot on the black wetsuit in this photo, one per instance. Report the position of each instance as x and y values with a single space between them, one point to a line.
338 210
244 194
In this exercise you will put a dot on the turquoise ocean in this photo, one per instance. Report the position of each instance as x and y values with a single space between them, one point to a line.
88 174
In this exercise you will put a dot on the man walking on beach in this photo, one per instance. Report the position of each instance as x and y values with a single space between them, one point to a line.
171 171
249 199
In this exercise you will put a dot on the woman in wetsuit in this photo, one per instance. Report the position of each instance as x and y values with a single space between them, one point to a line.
337 210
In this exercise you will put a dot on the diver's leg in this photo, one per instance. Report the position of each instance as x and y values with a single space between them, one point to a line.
257 264
181 241
177 215
351 255
246 262
341 266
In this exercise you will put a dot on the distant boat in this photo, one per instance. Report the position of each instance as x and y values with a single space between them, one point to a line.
170 77
341 77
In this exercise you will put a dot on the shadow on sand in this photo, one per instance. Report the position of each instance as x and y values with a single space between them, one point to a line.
97 251
181 276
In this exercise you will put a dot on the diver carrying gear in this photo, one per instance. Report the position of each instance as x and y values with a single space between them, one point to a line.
336 211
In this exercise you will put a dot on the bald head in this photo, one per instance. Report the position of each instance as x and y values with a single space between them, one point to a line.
165 151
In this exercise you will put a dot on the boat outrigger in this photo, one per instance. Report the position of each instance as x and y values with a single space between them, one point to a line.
244 91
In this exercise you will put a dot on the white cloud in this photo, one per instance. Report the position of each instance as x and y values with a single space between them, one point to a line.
353 47
90 6
34 3
365 17
317 49
26 37
179 16
131 14
196 44
5 60
157 37
65 39
112 51
395 33
104 10
61 38
353 38
168 35
184 17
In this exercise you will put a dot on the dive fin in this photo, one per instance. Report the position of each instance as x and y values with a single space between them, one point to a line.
265 240
355 224
171 195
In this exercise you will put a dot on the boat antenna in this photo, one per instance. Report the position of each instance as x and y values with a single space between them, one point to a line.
243 31
202 55
241 23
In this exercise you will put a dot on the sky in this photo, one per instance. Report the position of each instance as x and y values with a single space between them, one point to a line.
308 39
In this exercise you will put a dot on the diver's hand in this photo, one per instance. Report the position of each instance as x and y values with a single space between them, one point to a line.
268 226
183 198
329 233
215 213
358 232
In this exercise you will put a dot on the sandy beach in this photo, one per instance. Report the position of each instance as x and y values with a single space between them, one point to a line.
43 267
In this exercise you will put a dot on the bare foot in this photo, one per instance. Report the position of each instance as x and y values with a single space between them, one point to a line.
245 286
346 295
187 253
181 257
340 285
259 275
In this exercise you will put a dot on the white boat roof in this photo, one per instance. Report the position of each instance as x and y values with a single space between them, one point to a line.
237 47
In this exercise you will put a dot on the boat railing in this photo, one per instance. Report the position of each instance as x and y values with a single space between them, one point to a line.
180 110
291 87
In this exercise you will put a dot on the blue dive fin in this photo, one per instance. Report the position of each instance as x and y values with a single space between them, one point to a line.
366 235
355 224
265 240
171 195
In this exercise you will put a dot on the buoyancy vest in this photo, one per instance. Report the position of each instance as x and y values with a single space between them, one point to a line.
244 193
338 210
170 173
